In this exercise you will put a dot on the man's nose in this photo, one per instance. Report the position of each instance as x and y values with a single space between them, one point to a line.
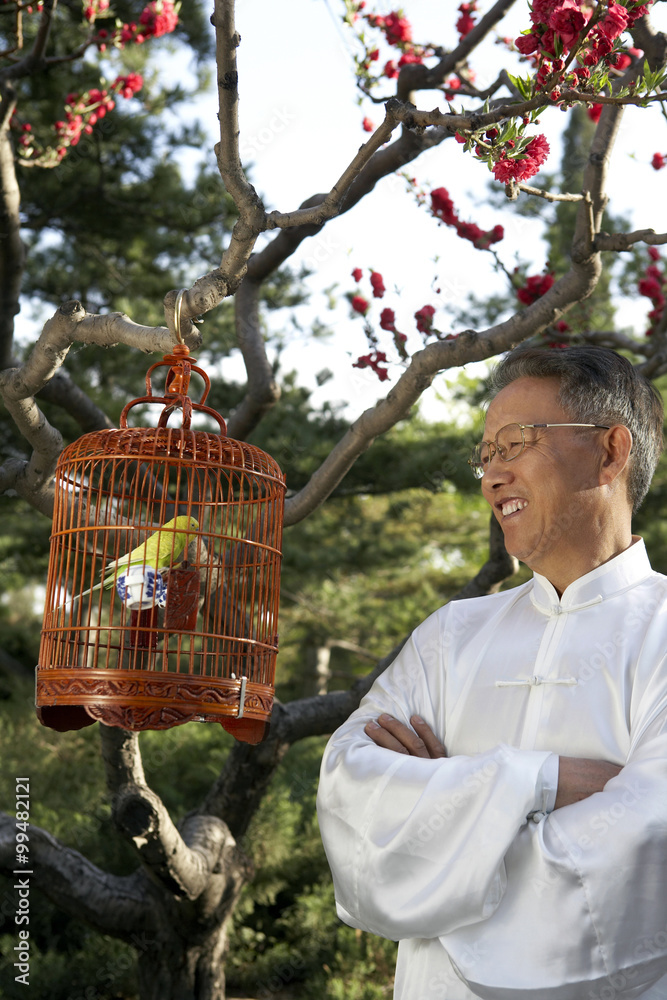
497 472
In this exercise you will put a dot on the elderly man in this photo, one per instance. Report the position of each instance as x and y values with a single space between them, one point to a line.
498 801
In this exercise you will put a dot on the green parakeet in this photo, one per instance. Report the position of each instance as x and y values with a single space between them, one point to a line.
163 548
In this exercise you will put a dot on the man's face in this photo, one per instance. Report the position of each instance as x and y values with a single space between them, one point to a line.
547 500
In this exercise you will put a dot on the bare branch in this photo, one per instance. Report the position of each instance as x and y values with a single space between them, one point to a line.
548 196
11 246
227 151
63 392
331 204
262 391
623 241
252 217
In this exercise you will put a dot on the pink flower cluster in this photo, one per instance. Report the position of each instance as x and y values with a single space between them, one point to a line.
397 31
536 286
373 361
523 166
424 317
442 208
559 26
94 9
466 23
82 112
652 285
160 17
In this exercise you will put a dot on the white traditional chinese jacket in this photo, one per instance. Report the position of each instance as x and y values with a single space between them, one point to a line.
459 859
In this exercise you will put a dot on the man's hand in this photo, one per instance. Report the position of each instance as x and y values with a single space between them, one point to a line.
391 734
579 777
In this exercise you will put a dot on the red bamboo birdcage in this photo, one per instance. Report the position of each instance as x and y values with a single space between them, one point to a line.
185 628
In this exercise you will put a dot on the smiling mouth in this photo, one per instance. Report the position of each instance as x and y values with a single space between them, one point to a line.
508 507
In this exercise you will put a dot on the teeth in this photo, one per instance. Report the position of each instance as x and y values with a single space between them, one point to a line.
513 505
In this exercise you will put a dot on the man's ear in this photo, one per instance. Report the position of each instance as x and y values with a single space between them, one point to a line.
617 447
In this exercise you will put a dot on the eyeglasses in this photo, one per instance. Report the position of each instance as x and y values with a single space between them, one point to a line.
508 445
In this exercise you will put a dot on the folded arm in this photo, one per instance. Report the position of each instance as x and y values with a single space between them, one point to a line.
578 777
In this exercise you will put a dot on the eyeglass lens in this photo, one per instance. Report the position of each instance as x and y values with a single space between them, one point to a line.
509 444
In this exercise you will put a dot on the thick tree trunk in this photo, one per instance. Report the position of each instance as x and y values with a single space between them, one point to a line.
185 959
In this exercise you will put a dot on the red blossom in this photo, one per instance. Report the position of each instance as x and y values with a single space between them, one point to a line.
397 29
594 111
536 286
424 317
654 253
360 304
373 361
521 169
368 125
526 44
390 70
377 284
128 86
408 58
466 23
621 61
442 208
388 320
567 21
442 205
652 289
658 161
357 273
615 21
158 18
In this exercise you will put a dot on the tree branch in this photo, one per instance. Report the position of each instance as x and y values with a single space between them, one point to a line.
623 241
11 245
330 205
180 861
113 904
548 196
262 391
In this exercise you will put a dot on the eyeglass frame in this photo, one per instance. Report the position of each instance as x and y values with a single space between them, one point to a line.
476 466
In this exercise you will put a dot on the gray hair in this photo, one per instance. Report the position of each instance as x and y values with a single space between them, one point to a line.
597 386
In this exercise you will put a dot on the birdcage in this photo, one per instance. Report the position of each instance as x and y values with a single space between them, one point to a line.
162 591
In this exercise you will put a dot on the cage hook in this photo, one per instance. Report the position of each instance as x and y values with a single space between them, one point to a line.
177 316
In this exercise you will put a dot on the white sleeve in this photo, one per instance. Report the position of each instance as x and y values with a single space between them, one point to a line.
417 846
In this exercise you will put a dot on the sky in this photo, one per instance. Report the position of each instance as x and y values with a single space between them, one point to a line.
300 126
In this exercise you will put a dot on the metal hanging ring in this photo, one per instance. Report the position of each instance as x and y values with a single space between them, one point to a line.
177 315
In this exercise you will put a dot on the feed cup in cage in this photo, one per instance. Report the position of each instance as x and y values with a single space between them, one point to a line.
141 588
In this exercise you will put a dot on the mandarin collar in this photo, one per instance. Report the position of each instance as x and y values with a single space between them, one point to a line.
625 570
